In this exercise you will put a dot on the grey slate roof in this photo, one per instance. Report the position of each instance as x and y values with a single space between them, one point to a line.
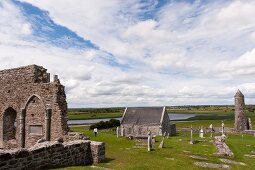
143 115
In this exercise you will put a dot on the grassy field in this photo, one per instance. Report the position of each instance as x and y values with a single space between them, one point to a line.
215 112
120 153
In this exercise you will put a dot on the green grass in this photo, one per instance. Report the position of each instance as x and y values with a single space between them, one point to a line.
120 153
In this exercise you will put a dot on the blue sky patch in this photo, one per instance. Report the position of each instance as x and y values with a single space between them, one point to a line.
48 31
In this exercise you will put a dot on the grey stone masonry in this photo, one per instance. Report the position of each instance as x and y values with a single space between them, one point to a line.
241 122
53 154
31 107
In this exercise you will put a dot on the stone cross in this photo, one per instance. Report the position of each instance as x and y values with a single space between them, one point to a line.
222 129
167 135
211 128
117 132
149 141
191 135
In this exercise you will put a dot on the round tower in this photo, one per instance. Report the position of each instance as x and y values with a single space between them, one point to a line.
240 118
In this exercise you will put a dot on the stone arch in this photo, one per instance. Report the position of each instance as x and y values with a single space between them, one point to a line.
32 97
9 124
35 112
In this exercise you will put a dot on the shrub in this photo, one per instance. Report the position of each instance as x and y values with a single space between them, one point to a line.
105 125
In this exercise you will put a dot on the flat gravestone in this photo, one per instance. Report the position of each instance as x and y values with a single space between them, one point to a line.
197 157
211 165
99 167
249 156
171 159
232 162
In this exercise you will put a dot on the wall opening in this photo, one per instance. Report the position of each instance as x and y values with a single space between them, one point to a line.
9 124
34 121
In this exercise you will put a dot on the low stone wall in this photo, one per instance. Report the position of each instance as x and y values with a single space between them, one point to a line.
53 154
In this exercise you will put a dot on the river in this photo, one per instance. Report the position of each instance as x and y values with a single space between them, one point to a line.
172 116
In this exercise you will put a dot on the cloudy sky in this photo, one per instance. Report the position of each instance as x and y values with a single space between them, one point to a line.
135 52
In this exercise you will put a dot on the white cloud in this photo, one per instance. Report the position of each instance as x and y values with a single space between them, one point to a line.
187 53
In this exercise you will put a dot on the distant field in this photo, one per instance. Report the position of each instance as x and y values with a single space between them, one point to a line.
216 113
120 153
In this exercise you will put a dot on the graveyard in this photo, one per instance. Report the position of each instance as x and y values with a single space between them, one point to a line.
177 153
127 85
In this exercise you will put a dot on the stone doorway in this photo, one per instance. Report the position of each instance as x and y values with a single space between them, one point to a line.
34 121
9 124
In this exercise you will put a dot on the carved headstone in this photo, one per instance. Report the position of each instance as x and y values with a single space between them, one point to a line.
191 135
211 129
249 123
201 133
241 122
222 129
149 142
161 145
117 132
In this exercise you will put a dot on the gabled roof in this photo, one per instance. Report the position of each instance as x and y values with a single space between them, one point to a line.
143 115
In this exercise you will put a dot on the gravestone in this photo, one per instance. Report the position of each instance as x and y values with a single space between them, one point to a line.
161 145
117 132
149 141
191 135
201 133
249 123
222 129
211 129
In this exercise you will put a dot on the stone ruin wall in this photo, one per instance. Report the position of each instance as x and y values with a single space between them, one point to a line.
139 130
53 154
30 88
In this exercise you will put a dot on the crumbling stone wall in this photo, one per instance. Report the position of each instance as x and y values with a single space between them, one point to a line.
53 154
40 106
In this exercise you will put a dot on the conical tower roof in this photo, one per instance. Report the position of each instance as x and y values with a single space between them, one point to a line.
239 94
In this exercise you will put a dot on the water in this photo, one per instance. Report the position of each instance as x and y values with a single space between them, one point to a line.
172 116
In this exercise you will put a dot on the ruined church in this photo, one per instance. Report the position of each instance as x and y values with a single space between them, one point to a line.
29 103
